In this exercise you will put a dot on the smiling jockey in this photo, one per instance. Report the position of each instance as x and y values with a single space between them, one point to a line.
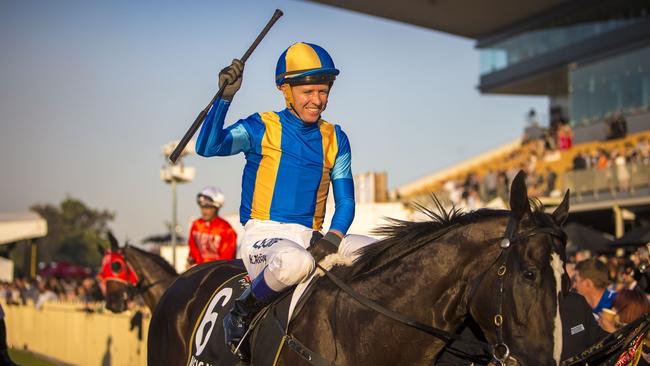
292 156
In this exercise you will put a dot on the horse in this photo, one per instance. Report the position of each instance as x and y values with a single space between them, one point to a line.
129 271
503 269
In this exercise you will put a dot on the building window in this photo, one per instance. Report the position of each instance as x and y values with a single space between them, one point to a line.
619 84
536 43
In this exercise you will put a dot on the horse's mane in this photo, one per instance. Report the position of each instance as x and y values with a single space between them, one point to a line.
404 237
160 261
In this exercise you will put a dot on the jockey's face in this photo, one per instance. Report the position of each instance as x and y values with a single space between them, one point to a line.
309 100
208 212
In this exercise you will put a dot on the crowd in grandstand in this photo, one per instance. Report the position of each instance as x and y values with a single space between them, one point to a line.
601 159
40 290
617 161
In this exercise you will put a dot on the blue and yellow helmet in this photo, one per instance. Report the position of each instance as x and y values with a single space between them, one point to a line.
305 63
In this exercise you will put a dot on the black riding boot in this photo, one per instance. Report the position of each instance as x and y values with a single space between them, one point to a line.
237 321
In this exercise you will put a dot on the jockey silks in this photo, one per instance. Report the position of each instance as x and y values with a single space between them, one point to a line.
211 240
289 166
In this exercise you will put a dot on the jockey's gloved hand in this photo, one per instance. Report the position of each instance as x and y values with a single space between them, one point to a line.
232 75
326 245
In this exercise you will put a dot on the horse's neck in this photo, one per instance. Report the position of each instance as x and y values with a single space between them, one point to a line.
151 275
439 277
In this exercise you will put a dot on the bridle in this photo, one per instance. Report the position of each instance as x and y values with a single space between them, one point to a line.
117 268
499 351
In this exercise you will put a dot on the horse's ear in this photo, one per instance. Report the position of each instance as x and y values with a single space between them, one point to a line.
114 245
519 203
562 211
101 250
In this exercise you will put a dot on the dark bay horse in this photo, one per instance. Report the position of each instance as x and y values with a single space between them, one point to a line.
130 271
442 272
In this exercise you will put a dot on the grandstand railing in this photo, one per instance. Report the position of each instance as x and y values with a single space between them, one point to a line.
596 182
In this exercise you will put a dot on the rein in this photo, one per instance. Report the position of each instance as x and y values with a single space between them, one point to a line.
499 352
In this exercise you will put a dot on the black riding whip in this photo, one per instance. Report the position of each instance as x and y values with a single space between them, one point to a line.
199 120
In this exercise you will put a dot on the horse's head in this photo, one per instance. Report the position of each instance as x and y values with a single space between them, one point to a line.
117 277
517 299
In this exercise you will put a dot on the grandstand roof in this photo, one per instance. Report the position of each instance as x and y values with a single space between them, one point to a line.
21 226
466 18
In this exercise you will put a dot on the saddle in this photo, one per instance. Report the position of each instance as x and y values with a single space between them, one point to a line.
267 331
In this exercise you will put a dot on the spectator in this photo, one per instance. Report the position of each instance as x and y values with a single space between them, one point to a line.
628 278
622 173
579 162
617 127
602 160
579 328
564 136
491 182
551 180
591 281
47 293
629 306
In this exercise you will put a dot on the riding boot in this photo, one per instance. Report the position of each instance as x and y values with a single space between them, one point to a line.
237 321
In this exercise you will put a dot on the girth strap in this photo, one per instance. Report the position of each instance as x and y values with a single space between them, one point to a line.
300 349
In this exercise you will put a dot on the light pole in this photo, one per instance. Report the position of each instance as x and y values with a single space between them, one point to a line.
174 174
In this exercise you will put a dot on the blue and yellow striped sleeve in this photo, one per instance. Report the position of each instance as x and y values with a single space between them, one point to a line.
343 185
214 140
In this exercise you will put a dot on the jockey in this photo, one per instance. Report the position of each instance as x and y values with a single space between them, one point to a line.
211 237
292 156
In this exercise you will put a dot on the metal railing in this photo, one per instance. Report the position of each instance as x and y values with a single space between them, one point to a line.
613 180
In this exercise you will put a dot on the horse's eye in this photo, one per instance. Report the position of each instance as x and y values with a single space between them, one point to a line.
116 267
529 275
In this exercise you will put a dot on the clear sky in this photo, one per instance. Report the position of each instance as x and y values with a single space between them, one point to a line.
91 90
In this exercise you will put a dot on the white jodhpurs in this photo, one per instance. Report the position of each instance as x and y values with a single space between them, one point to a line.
278 252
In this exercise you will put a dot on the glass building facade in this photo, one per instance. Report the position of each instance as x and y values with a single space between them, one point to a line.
533 44
620 83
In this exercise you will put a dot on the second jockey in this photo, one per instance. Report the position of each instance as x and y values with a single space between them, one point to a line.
211 237
292 156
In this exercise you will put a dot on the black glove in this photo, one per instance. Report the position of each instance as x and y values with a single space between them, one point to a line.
233 76
322 247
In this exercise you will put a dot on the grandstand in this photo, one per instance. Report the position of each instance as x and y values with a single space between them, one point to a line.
590 58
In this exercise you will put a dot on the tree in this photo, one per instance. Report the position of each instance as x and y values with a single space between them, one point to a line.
74 232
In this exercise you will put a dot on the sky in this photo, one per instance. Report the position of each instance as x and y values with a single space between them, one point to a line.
91 90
